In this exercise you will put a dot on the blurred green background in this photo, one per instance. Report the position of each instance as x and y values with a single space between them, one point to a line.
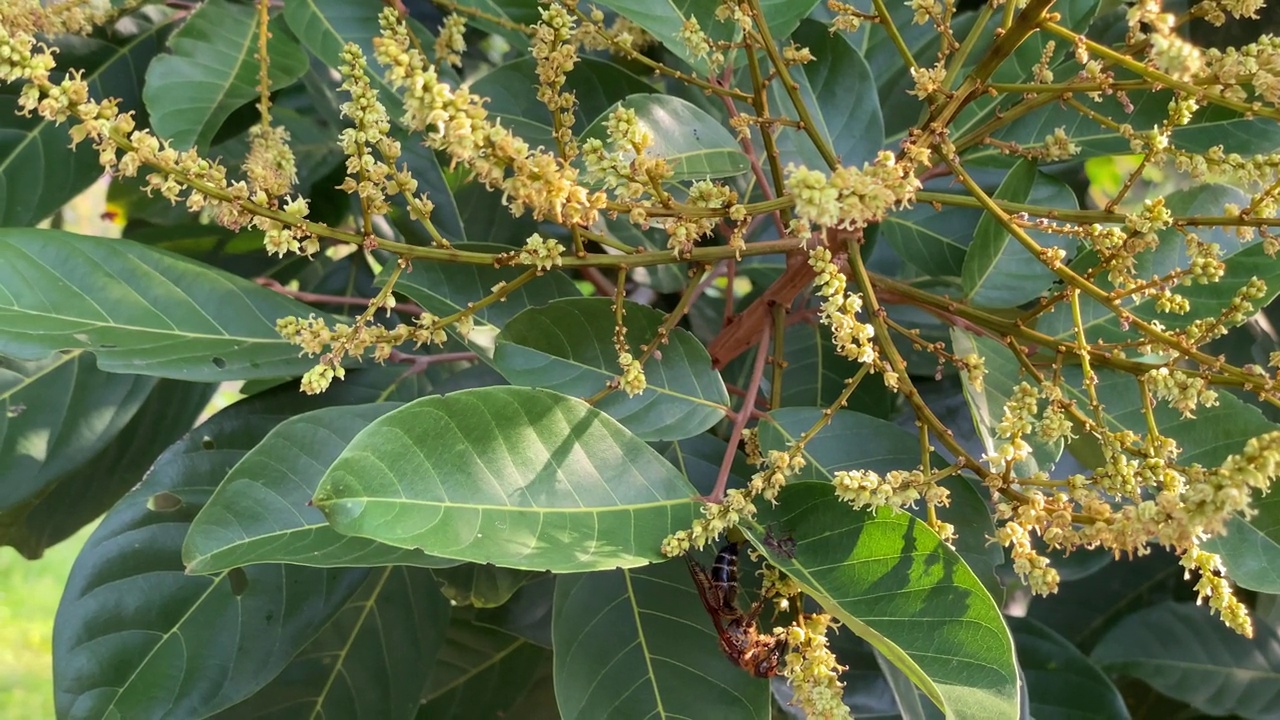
29 593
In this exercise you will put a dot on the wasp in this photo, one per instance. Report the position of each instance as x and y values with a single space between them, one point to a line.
740 638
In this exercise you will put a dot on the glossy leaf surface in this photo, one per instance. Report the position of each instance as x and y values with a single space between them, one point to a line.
568 346
516 477
139 310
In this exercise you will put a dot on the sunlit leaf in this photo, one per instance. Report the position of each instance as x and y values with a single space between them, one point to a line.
139 310
516 477
261 512
568 346
889 579
695 145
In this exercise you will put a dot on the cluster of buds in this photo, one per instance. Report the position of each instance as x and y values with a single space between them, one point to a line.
852 197
813 669
1183 392
738 503
532 180
852 337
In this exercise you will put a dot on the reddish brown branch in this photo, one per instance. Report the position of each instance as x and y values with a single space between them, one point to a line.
322 299
735 436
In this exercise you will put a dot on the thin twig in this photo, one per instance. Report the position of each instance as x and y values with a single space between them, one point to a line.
753 390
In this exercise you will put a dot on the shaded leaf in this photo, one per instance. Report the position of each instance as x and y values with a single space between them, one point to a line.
130 616
986 405
425 168
630 639
931 240
39 170
372 660
211 70
516 477
261 512
445 288
695 145
481 586
74 498
55 414
840 94
998 271
815 374
888 578
513 96
139 310
568 346
1187 654
527 614
1061 682
482 673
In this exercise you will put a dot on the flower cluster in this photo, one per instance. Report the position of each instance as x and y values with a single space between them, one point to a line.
813 669
451 43
1183 392
529 179
1018 421
542 253
851 336
556 53
737 503
852 197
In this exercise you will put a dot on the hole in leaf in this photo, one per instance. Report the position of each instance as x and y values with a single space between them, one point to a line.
207 443
219 363
239 581
164 502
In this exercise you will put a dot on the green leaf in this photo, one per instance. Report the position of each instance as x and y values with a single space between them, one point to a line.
425 168
1250 548
371 661
484 216
1186 653
260 513
1212 125
39 170
482 586
664 20
55 414
211 70
698 458
516 477
1244 262
932 241
840 94
136 637
567 346
815 374
1061 682
513 97
642 638
856 441
986 405
75 497
527 613
482 673
138 309
445 288
888 578
998 271
695 145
